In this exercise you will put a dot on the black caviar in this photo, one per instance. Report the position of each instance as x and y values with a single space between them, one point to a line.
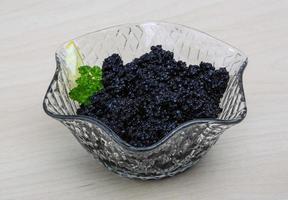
142 101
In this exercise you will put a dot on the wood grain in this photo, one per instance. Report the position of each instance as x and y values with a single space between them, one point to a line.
40 159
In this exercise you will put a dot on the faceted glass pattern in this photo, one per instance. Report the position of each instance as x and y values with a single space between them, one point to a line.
182 147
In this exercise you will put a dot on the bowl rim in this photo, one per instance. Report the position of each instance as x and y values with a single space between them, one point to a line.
111 133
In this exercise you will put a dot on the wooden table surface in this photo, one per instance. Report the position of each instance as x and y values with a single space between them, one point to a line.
40 159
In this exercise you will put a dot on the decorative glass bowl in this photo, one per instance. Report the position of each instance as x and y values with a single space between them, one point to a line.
182 147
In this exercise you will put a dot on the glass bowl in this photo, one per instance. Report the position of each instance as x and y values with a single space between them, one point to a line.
186 144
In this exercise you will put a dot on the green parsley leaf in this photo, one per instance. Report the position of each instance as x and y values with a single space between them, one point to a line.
89 82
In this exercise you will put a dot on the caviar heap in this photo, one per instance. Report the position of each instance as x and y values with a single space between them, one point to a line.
142 101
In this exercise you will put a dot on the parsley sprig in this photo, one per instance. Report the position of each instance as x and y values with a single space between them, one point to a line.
89 82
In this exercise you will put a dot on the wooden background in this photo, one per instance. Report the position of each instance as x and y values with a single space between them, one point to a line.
40 159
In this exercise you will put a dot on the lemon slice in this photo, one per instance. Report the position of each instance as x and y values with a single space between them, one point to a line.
73 59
